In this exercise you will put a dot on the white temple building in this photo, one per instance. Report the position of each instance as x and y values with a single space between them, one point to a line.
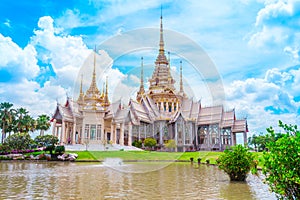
162 112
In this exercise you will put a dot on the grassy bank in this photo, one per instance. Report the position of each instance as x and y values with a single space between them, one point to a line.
154 156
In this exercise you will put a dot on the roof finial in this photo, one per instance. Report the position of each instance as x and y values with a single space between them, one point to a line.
181 83
169 61
161 42
142 72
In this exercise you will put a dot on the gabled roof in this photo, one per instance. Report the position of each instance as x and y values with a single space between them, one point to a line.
240 126
228 119
139 111
150 108
210 115
113 109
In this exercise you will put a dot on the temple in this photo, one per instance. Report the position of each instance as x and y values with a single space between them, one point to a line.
162 112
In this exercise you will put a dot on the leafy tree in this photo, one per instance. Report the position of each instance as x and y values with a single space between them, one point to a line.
171 144
6 117
281 165
150 142
48 141
19 141
236 162
137 143
43 123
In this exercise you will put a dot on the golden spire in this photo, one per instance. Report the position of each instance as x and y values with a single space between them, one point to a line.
161 58
93 93
181 83
142 90
142 75
106 101
81 95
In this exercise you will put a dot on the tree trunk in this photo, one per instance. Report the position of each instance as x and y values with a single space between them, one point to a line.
42 133
3 133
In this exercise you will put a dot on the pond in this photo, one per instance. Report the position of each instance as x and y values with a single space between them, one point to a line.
69 180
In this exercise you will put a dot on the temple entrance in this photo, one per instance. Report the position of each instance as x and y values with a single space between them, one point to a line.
108 136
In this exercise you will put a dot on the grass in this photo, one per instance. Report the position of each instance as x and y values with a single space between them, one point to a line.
148 155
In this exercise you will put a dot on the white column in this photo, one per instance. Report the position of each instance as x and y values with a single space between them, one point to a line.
74 132
112 136
129 134
145 131
139 132
196 133
54 127
66 134
153 130
191 132
62 134
161 106
183 131
102 132
176 134
172 107
177 106
160 133
122 134
167 106
245 137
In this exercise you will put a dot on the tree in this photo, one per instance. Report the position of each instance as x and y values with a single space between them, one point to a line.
19 141
171 144
236 162
43 123
48 141
281 167
150 142
6 117
21 112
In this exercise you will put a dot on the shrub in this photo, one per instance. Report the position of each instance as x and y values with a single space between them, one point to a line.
236 162
46 140
171 144
19 141
4 149
150 142
281 165
60 149
137 143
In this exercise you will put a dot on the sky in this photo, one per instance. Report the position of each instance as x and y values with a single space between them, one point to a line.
242 53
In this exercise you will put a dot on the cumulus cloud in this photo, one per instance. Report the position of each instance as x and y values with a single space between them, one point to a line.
265 100
277 25
16 61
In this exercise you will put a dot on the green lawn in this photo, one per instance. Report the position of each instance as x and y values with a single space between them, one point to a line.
148 155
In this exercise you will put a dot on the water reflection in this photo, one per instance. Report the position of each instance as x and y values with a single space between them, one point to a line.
27 180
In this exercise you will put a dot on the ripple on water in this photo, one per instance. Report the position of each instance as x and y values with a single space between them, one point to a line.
97 181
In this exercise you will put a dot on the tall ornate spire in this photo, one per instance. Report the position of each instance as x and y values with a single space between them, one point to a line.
81 95
181 83
93 93
141 90
161 58
106 100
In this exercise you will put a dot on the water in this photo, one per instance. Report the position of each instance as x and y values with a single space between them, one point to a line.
65 180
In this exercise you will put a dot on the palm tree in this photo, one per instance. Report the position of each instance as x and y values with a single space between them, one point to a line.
21 112
28 124
6 117
43 123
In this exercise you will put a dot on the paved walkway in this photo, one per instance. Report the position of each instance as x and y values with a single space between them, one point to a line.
100 147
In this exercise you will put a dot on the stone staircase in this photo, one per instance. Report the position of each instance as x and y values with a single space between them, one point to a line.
100 147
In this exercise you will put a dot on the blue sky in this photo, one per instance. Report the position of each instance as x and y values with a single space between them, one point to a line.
45 47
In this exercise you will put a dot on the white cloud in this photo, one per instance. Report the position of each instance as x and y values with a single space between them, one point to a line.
19 62
265 100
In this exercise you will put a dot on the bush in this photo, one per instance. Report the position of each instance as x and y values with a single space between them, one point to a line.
4 149
171 144
150 142
281 165
19 141
137 143
46 140
60 149
236 162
